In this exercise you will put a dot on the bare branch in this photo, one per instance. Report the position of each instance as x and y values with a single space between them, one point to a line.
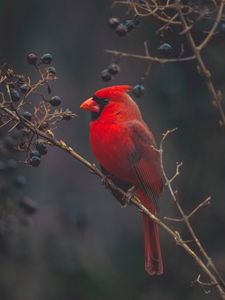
216 97
214 27
150 58
176 174
207 201
185 218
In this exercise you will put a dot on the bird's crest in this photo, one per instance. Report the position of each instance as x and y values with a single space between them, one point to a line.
112 91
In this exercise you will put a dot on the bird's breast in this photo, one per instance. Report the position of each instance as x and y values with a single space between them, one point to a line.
112 146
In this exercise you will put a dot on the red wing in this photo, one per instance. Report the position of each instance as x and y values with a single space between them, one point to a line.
145 161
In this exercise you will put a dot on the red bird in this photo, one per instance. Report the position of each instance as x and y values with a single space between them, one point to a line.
126 150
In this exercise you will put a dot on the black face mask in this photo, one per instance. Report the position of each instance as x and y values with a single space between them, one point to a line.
102 104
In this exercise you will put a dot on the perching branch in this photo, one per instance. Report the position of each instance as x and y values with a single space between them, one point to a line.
203 266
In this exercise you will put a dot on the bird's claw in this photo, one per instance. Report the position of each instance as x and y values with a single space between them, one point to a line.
105 180
126 200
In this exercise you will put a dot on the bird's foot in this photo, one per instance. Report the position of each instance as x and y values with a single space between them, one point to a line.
105 180
127 198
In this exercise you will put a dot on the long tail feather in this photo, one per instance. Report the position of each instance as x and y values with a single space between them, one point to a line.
153 257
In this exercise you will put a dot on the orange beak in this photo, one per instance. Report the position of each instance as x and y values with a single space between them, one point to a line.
90 105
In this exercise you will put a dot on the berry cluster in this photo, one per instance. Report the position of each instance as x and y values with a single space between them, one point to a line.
19 93
122 28
46 59
35 154
112 70
26 111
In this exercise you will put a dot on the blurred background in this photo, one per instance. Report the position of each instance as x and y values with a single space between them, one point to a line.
80 244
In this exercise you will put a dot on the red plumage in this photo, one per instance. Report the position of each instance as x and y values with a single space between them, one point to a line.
126 149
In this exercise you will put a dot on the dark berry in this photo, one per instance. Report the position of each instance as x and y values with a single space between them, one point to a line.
105 75
32 59
121 29
46 58
130 25
138 90
28 205
113 22
24 88
165 49
20 181
35 153
27 115
35 161
114 68
41 146
51 71
55 101
12 164
15 96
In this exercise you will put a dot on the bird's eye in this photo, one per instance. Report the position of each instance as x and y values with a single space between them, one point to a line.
101 102
105 100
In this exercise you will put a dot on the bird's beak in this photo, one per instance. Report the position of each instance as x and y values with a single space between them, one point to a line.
90 105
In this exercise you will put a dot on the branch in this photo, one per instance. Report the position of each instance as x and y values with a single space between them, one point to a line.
205 202
214 27
134 200
185 218
216 95
150 58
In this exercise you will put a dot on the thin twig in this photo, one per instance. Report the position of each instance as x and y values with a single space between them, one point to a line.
150 58
203 203
207 201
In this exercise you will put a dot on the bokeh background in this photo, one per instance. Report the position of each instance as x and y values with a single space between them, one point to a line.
81 244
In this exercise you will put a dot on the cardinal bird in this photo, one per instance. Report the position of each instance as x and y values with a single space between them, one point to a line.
126 150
